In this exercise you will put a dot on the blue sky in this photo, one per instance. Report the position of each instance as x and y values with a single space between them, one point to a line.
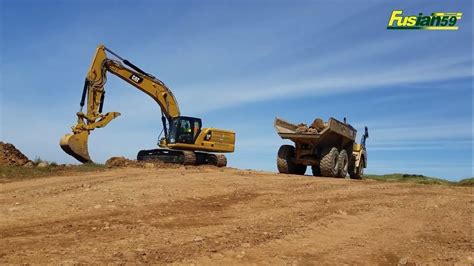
240 64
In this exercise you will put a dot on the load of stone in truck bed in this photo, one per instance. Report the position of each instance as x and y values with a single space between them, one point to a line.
9 155
317 126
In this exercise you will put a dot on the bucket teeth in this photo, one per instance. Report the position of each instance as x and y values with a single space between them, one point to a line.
76 146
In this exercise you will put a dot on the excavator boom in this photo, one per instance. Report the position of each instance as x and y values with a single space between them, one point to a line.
75 143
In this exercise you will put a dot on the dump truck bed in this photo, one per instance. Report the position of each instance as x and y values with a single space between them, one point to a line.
334 131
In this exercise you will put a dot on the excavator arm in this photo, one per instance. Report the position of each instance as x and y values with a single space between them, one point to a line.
75 143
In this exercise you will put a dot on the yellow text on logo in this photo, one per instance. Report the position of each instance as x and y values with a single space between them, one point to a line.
436 21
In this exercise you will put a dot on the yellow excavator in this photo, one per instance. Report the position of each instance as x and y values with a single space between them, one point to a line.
184 141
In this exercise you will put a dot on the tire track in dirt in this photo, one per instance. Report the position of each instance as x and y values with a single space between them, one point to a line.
233 216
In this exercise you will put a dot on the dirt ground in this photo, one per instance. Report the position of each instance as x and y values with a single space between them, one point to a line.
206 215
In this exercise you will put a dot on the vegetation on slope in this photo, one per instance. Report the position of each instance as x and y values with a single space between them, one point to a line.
10 173
419 179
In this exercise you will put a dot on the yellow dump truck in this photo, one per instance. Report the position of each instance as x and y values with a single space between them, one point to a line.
328 147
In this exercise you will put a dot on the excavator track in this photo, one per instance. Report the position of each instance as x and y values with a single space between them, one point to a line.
218 160
182 157
189 158
221 160
164 155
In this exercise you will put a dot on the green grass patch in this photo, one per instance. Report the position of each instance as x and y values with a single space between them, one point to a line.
14 173
411 178
469 182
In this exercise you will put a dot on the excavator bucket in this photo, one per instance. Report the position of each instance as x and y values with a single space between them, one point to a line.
76 146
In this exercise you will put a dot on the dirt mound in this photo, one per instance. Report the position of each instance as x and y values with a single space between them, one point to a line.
113 162
121 162
9 155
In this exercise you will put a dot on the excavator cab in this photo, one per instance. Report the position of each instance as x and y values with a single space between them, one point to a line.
184 129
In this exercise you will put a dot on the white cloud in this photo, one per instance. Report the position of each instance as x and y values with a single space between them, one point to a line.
235 93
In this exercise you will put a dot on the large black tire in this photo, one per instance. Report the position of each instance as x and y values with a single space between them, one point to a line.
285 163
316 170
357 172
343 164
329 163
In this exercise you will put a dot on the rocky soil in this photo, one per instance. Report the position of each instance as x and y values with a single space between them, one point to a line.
208 215
9 155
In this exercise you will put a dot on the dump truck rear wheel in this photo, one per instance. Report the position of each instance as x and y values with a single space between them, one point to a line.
316 170
329 163
285 163
343 163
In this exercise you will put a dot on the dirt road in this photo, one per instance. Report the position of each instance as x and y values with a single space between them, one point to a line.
207 215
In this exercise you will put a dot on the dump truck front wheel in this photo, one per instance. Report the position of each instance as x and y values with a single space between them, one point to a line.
329 162
343 163
285 163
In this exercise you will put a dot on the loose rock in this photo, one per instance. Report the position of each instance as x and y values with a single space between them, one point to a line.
198 239
29 165
317 126
42 165
149 165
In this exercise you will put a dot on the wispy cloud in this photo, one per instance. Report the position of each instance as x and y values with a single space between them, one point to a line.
239 92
